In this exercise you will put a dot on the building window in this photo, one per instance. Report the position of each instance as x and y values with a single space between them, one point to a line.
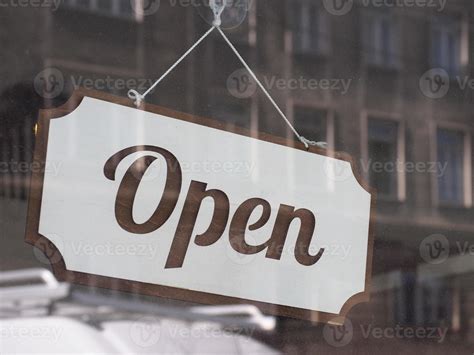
310 28
451 156
380 33
434 302
115 8
383 156
446 45
311 123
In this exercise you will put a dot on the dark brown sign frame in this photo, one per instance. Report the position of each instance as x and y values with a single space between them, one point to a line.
56 260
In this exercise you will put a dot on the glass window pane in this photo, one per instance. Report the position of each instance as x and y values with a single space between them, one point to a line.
311 123
383 152
451 155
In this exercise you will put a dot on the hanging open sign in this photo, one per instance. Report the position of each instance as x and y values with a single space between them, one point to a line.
167 204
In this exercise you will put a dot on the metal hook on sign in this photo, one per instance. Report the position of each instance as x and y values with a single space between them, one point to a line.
217 7
136 97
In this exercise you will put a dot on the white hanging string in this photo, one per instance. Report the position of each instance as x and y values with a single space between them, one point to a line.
217 10
305 141
139 98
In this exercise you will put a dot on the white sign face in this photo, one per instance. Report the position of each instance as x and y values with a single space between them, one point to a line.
157 200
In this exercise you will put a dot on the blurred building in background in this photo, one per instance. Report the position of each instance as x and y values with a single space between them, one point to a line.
388 85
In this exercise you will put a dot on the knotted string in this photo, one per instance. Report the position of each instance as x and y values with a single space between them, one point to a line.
218 7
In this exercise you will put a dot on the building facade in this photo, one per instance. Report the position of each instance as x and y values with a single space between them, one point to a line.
390 85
